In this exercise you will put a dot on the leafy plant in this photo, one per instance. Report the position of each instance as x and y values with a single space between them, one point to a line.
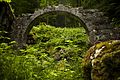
56 55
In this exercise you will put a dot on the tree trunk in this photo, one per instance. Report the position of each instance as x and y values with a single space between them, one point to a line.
6 20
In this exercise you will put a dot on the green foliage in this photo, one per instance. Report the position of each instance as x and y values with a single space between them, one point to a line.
24 6
51 36
3 37
112 9
54 19
61 44
74 3
44 3
6 0
55 56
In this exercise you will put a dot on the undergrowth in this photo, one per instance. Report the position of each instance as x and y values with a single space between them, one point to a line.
56 55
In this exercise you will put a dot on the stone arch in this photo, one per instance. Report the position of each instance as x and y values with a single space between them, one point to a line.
34 21
94 22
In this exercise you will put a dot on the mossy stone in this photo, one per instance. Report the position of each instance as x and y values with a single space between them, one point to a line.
102 61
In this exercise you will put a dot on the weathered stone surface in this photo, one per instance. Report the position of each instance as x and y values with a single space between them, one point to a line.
102 61
91 19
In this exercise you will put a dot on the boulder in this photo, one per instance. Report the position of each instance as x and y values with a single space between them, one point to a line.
102 61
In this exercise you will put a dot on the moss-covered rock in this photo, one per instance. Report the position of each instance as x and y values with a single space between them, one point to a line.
102 61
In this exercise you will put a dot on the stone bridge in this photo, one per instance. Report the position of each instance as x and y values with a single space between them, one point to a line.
95 23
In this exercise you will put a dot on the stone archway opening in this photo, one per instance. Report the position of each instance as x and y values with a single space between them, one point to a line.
77 22
60 19
94 22
37 20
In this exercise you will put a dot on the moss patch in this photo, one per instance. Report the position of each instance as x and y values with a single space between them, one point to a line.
102 61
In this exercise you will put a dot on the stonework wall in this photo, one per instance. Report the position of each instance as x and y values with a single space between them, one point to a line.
96 24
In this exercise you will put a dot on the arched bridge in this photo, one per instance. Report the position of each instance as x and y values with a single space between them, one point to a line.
95 23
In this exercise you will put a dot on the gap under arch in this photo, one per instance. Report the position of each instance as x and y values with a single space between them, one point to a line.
36 21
